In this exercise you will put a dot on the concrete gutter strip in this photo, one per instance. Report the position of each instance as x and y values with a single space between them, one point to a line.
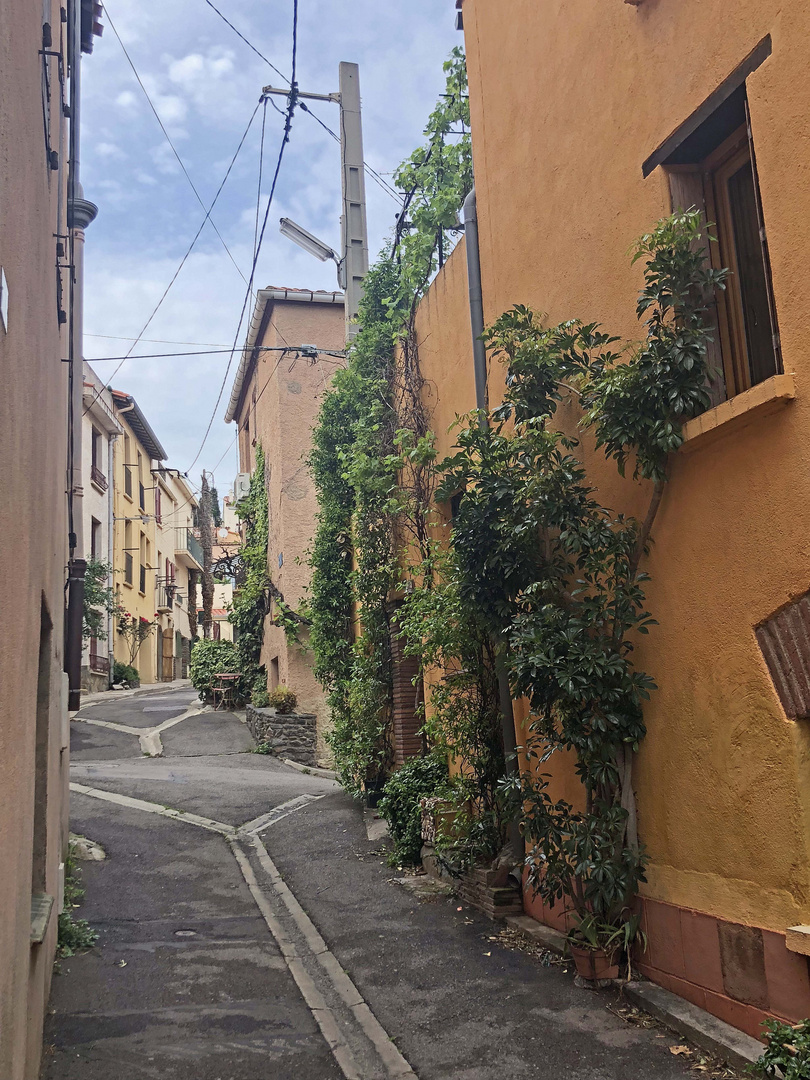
327 773
695 1024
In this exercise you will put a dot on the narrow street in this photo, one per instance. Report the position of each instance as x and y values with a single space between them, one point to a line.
248 928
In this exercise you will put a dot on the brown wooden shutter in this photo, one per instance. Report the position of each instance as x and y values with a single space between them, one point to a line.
686 191
763 240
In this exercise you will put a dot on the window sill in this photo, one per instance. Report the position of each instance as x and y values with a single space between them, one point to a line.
41 908
98 487
129 585
761 400
798 939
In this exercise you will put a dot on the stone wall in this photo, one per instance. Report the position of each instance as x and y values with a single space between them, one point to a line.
289 736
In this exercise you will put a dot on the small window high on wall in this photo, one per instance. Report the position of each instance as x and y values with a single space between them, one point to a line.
711 165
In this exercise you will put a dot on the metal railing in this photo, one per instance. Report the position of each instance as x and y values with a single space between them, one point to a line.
99 664
185 540
98 477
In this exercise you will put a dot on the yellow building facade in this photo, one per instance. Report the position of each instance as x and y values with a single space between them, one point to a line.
135 548
590 122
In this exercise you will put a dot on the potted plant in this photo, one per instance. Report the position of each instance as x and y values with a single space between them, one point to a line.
596 946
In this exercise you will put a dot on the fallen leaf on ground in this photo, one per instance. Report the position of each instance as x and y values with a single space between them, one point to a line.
679 1050
487 954
122 963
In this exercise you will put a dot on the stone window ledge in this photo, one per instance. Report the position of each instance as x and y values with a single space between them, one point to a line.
798 939
761 400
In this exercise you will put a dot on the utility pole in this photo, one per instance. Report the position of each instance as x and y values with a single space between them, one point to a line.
353 265
353 226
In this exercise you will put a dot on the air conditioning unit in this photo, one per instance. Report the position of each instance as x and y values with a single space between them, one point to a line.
241 486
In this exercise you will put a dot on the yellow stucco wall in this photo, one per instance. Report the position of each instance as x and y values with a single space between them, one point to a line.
130 596
567 102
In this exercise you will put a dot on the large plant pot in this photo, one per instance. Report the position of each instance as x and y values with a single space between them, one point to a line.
594 964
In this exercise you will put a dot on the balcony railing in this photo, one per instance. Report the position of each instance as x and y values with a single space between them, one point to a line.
164 597
99 664
98 477
188 549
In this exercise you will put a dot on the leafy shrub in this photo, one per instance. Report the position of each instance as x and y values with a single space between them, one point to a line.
420 778
787 1054
282 699
125 673
259 697
211 658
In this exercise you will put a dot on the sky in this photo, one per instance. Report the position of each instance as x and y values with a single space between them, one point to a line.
205 84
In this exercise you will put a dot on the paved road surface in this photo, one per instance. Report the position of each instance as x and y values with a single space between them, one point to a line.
249 930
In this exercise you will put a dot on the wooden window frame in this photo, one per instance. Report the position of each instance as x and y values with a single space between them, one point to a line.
729 352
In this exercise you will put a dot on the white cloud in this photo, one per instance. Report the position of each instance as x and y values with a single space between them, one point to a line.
204 84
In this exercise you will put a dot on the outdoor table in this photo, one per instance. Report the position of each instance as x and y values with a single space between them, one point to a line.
223 688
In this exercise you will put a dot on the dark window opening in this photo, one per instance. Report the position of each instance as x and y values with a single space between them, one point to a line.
714 170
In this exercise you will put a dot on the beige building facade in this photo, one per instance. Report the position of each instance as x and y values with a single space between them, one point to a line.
275 402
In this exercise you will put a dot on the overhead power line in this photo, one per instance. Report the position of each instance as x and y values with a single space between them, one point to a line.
214 352
188 252
379 180
291 103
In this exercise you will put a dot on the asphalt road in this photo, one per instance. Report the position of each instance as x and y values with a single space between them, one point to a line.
248 929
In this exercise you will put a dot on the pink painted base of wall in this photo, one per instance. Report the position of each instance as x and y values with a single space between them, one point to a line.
741 974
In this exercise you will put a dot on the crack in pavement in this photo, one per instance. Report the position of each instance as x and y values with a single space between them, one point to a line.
359 1044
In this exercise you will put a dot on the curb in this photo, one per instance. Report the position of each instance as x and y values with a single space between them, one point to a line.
151 688
309 769
546 936
700 1027
703 1029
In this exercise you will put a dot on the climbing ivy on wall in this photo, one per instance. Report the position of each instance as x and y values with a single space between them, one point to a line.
358 451
249 606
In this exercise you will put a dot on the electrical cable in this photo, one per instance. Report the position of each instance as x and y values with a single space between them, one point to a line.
169 141
210 352
388 188
190 248
292 100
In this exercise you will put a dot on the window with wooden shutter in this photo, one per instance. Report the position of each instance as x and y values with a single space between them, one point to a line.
711 166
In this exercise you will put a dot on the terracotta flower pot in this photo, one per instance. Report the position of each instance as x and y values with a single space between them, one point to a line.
594 964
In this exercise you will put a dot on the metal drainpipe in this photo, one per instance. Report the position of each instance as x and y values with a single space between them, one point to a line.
80 214
470 213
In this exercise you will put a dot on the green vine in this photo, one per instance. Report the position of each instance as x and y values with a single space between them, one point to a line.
249 606
358 452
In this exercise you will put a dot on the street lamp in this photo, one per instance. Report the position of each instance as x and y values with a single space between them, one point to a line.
311 244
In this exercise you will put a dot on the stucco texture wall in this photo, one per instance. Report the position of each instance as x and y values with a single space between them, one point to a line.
33 536
566 105
282 398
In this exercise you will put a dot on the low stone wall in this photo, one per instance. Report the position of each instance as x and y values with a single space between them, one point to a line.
290 736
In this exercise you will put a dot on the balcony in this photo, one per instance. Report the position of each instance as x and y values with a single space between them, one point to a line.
98 478
99 665
187 549
164 598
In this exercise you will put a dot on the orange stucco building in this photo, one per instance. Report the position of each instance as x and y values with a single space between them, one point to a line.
590 122
275 401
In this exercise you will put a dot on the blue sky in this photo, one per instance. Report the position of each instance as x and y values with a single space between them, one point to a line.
205 83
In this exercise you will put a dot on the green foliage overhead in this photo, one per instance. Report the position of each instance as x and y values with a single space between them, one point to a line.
419 778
